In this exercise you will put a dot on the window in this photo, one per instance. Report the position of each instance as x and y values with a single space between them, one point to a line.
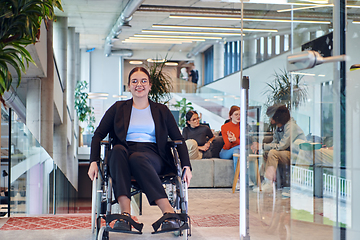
209 65
232 57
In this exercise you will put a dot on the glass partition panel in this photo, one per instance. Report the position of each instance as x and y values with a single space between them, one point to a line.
36 183
294 194
4 179
349 169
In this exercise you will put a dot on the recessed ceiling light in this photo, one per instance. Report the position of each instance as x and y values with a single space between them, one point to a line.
304 74
97 95
171 63
136 62
156 60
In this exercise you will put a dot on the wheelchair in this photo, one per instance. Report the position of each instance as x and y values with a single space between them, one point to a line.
103 200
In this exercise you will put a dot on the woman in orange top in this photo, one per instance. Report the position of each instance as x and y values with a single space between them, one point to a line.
231 134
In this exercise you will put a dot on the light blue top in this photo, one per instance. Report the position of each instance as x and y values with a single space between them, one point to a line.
141 127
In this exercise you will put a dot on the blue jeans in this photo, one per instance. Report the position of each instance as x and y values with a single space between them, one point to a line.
228 154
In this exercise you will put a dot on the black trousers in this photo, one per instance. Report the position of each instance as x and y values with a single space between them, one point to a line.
142 161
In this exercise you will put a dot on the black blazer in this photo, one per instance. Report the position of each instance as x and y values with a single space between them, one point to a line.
116 122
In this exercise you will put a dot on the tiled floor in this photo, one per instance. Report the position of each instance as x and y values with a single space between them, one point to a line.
214 214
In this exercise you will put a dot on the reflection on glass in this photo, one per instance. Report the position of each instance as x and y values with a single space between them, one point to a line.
32 174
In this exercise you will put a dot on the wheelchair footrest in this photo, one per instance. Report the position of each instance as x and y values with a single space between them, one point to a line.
181 217
137 226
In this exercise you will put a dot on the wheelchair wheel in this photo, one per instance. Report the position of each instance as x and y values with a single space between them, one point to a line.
266 203
183 234
103 234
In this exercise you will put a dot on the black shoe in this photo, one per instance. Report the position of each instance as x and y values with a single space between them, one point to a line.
123 225
170 224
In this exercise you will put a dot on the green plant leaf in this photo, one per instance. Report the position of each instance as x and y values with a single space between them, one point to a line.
280 90
20 22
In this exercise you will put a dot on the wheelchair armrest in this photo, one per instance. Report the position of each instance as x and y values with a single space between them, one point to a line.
174 143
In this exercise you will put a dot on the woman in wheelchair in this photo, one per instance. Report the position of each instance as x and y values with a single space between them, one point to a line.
140 129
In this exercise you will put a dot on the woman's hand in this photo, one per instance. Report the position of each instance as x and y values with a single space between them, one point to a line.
231 136
205 147
93 171
187 175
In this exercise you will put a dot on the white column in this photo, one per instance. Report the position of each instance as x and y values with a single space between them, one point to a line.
249 52
218 60
47 96
60 131
121 75
72 162
33 107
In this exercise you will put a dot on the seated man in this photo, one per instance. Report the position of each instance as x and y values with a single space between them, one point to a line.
287 134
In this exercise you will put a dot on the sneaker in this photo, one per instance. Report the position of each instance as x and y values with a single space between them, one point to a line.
251 183
265 187
237 188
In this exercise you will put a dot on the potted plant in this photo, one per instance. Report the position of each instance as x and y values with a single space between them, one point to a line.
281 87
84 112
183 107
160 81
20 26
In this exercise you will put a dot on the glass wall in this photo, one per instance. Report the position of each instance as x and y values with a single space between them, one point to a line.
308 187
37 185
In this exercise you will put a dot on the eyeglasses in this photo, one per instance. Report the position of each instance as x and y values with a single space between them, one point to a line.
142 82
195 119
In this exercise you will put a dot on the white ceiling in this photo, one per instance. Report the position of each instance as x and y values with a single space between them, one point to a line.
93 19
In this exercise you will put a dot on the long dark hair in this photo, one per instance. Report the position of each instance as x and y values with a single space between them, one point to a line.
188 116
138 69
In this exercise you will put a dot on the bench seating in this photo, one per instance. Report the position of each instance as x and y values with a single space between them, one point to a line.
212 172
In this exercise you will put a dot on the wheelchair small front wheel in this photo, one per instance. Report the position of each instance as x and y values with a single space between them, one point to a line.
103 234
182 234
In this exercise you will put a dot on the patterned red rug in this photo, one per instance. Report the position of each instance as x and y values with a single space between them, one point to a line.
84 222
48 222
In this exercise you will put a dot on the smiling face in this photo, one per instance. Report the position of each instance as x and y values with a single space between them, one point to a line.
235 117
194 121
139 84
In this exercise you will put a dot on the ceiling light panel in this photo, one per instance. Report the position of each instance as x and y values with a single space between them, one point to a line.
171 39
234 18
195 33
177 36
214 28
